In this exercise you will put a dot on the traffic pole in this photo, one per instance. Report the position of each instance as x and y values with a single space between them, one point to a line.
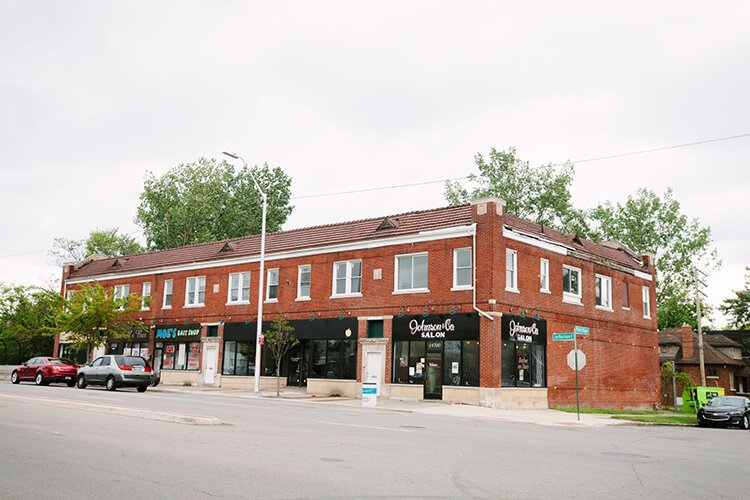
575 351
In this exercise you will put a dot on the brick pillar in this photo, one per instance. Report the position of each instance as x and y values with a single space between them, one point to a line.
490 348
361 334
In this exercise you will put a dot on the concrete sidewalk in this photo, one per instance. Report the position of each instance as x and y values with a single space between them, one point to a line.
538 417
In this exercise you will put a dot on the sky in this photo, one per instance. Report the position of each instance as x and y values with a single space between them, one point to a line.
354 95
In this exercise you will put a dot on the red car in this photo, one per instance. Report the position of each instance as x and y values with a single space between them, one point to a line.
44 370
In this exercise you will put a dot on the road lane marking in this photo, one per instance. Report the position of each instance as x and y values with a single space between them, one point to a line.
365 426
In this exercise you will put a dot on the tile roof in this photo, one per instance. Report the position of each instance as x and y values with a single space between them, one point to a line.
345 232
711 355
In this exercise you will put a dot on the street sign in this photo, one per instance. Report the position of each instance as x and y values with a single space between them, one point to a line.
581 330
563 336
572 359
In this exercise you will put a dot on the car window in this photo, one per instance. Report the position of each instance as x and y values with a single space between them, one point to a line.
30 362
60 361
106 361
97 362
131 361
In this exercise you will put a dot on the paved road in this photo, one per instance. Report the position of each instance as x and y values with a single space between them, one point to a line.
283 449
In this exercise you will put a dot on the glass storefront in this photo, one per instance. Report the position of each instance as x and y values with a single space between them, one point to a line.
524 352
436 351
180 347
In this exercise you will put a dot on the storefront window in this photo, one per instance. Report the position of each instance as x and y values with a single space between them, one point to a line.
537 363
400 362
230 349
416 362
470 357
194 351
318 359
169 352
349 357
523 352
334 359
452 363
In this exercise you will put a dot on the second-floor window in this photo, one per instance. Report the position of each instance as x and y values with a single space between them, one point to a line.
146 294
511 270
625 295
543 275
272 287
347 277
167 302
571 284
411 272
646 303
604 291
303 282
462 268
239 288
195 293
121 291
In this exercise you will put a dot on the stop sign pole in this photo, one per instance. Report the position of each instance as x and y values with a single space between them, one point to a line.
578 330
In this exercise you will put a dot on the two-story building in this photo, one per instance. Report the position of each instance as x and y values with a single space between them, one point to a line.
456 303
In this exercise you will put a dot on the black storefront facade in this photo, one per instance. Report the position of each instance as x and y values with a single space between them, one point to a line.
134 345
436 351
327 349
524 352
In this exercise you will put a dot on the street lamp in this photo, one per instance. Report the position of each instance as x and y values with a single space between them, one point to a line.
259 330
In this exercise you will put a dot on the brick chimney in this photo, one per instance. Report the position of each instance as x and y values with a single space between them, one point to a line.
686 331
482 206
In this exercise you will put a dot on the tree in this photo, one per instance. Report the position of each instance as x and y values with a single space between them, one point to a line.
92 316
540 194
279 339
738 307
26 315
208 200
649 223
106 242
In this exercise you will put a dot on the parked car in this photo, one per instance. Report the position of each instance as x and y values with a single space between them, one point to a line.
725 411
113 371
45 370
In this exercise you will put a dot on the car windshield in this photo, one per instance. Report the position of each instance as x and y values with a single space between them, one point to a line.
727 401
130 361
60 361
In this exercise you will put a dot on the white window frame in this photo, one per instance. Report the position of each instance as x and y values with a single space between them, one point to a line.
69 294
300 269
168 287
646 302
119 292
269 284
604 280
199 280
544 276
396 289
511 274
456 286
349 266
145 292
242 277
570 297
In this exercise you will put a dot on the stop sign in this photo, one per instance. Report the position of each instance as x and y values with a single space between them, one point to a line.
572 359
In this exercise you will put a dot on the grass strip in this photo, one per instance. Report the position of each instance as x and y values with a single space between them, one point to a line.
660 419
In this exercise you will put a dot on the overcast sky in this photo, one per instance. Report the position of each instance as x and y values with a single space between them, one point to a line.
349 95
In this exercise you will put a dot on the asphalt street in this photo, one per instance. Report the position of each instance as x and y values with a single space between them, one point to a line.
57 442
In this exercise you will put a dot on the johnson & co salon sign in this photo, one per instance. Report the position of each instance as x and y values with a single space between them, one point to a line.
524 330
436 327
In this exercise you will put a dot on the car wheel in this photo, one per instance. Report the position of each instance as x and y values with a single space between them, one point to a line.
14 378
39 380
111 385
142 388
155 381
81 383
701 424
71 383
745 422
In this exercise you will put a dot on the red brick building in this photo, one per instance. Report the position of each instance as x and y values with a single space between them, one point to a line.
458 303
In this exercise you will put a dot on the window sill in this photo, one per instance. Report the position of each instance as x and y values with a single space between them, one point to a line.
625 308
413 290
302 299
512 290
647 317
166 307
346 296
604 308
712 376
576 301
271 301
193 306
542 290
145 308
462 288
238 303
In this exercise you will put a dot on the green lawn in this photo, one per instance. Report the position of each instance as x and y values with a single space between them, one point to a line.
605 411
664 419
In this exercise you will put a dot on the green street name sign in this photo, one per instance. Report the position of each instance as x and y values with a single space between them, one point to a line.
581 330
563 336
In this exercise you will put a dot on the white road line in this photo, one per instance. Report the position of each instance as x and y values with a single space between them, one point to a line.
366 426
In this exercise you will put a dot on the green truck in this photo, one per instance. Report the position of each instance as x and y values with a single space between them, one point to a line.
693 398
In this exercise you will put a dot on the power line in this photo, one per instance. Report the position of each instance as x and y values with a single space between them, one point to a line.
365 190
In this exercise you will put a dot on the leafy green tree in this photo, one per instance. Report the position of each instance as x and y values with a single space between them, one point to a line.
92 316
209 200
278 340
647 222
540 194
26 316
107 242
738 307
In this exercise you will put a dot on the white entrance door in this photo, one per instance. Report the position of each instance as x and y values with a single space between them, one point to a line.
373 370
209 364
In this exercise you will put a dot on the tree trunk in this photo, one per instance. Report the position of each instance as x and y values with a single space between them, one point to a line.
278 377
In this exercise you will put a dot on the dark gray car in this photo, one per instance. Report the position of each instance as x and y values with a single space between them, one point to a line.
113 371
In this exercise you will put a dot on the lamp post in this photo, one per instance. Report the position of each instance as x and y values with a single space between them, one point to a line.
259 330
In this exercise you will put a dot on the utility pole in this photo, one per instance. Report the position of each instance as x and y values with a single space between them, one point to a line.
701 360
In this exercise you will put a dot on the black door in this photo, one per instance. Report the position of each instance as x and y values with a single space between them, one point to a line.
297 375
433 380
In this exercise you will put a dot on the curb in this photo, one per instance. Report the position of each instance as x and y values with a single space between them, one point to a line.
119 410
